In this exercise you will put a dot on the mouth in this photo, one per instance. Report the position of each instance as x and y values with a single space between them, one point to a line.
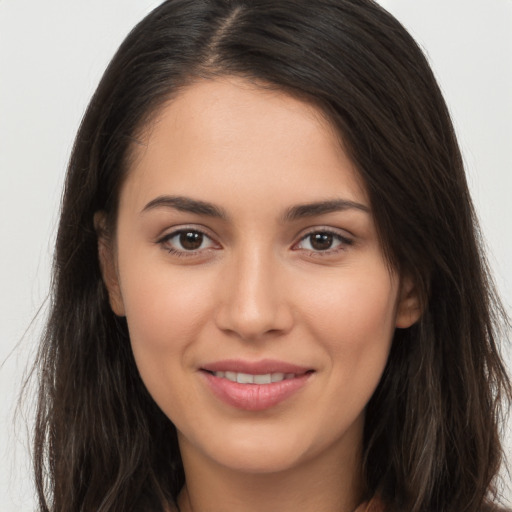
261 378
255 386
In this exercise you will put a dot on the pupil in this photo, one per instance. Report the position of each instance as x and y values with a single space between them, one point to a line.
321 241
191 240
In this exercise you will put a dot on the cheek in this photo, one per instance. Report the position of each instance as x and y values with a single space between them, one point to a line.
353 318
357 305
160 301
355 327
165 316
165 311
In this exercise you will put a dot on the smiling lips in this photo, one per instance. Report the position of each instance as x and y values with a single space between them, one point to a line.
247 378
254 386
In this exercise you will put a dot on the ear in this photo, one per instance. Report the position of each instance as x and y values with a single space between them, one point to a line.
107 260
409 305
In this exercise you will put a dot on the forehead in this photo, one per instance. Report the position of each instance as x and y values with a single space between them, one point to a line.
231 131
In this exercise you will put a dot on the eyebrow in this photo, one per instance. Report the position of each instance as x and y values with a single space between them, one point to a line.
186 204
322 208
189 205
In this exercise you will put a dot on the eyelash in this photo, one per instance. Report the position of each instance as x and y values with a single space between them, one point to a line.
183 253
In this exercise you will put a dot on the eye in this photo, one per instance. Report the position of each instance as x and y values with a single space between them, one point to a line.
323 241
186 241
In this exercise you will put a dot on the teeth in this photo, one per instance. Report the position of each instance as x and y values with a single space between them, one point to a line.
229 375
247 378
263 379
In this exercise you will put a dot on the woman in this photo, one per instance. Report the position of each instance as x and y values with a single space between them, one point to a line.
269 292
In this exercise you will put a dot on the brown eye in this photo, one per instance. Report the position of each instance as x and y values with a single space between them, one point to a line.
191 240
187 242
321 241
324 242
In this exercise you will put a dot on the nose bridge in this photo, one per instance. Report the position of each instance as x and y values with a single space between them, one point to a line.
254 303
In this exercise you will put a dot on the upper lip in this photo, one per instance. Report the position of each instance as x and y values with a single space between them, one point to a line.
260 367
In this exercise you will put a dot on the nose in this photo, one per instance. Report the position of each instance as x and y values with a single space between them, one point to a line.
254 301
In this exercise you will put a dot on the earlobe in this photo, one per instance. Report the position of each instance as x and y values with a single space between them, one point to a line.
409 306
107 261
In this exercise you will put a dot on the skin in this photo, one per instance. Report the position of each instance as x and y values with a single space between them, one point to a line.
256 288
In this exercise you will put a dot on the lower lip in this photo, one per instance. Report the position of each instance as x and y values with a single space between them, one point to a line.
254 397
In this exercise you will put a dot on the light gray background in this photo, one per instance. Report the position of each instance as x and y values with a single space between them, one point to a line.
52 54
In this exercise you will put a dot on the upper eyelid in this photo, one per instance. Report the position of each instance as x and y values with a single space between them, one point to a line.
343 233
175 230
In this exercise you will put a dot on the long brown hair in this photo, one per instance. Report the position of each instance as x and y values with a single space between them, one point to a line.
432 429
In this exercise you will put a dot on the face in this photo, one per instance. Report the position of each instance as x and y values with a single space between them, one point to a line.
246 260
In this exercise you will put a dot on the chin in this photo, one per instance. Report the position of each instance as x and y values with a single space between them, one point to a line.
259 460
255 450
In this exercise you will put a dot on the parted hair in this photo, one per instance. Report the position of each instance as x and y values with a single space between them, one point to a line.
431 440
